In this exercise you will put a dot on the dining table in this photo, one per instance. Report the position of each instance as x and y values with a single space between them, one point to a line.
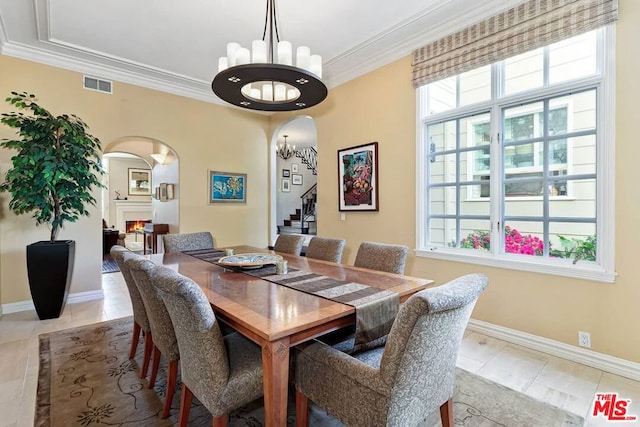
277 317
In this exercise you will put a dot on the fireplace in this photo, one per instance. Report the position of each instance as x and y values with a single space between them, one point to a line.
138 224
132 210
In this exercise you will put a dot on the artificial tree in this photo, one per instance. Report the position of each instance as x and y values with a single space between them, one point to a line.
56 165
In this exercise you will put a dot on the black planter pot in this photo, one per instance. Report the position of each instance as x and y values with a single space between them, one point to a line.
50 266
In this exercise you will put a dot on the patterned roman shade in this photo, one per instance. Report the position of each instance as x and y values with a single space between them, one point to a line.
533 24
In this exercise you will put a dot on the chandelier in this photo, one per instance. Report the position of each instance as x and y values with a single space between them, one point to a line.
284 150
265 78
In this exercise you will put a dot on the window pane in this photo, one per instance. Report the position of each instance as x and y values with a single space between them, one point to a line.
573 58
524 72
521 123
442 232
573 241
442 136
582 151
532 207
441 96
524 238
579 114
475 86
469 205
442 201
442 169
582 203
474 234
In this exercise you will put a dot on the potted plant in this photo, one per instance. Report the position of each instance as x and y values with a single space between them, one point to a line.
54 169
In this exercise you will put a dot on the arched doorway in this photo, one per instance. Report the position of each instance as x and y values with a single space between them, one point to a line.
301 131
127 200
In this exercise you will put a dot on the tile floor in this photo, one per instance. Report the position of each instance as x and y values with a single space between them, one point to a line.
560 382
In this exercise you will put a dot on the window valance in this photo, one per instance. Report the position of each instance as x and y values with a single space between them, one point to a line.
533 24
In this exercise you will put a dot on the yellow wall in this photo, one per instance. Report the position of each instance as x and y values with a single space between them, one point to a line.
380 107
204 135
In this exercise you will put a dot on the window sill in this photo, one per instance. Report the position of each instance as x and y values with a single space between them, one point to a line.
556 267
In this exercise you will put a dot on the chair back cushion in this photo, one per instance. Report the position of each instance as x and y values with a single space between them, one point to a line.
139 311
203 357
382 257
187 241
420 356
326 249
289 244
162 330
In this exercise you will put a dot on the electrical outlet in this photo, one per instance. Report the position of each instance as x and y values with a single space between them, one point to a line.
584 339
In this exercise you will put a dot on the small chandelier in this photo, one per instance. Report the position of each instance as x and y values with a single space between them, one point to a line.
265 78
284 150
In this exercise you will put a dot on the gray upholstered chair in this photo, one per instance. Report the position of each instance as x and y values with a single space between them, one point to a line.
399 384
382 257
224 373
289 244
187 241
164 338
326 249
140 318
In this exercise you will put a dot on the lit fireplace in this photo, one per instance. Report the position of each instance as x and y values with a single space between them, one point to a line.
132 226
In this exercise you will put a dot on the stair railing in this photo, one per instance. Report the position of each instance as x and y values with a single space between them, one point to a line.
309 156
308 206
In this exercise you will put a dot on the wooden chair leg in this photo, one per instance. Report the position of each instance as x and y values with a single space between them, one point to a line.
148 349
172 378
185 406
446 413
302 409
155 366
220 421
134 340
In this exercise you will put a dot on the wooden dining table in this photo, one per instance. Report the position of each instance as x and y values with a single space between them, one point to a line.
277 317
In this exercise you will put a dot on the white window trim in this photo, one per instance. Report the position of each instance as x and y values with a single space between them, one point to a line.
605 210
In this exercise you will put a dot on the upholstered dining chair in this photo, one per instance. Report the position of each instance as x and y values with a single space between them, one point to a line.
187 241
164 338
325 249
382 257
224 373
140 318
289 244
405 381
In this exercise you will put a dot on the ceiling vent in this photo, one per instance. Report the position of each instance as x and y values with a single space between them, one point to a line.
93 83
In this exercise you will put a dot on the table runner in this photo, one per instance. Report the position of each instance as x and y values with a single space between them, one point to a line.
376 309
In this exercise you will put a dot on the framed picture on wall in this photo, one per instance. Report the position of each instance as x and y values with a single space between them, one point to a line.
286 173
139 182
358 178
296 179
286 185
227 187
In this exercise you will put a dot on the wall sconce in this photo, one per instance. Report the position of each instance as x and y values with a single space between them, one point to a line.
160 158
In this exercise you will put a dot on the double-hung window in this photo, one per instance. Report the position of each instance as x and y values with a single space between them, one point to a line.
515 161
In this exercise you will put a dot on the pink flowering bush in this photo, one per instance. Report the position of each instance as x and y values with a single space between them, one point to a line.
514 242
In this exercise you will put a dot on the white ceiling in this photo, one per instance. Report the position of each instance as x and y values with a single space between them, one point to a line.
174 46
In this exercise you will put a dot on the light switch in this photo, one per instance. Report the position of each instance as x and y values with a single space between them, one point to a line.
342 216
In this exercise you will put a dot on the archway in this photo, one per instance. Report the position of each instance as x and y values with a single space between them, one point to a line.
128 155
302 133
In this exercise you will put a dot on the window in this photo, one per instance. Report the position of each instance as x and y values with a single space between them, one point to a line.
513 167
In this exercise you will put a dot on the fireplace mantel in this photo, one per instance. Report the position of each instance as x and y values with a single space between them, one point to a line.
131 210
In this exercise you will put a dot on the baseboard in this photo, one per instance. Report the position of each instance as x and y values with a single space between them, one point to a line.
604 362
14 307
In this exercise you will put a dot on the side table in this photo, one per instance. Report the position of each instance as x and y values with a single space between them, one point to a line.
153 231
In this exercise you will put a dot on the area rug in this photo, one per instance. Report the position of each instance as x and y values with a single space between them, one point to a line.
86 379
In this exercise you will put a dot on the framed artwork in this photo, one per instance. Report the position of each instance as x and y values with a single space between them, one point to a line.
170 191
139 182
163 192
286 185
227 187
296 179
358 178
286 173
294 167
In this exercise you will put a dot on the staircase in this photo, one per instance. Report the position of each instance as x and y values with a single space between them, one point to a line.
309 156
304 220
